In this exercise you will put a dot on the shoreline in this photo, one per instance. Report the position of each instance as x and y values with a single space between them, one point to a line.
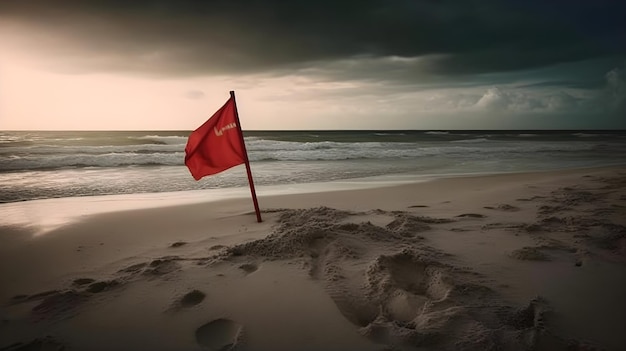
337 270
56 212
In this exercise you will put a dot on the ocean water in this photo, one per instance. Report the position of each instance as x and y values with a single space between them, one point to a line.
40 165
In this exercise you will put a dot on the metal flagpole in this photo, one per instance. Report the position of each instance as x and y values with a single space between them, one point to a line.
247 162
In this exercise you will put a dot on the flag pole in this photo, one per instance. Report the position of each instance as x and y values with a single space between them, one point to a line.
247 162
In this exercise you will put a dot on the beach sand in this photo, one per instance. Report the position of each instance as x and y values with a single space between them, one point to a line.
533 261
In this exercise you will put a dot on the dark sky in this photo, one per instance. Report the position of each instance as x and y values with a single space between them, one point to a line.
575 49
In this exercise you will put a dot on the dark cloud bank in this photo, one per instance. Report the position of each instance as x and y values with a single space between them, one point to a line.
475 36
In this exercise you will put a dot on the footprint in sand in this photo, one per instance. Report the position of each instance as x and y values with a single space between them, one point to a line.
58 304
532 316
39 296
471 215
507 207
398 287
531 198
220 334
192 298
404 283
82 281
529 254
249 267
503 207
133 269
162 266
98 287
178 244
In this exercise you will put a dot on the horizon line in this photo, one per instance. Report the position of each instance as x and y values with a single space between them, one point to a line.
315 130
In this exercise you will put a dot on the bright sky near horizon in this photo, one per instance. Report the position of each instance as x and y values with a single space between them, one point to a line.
373 64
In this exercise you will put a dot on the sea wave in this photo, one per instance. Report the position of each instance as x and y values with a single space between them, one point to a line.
591 135
55 164
163 139
475 140
125 149
276 145
88 160
263 150
387 134
91 150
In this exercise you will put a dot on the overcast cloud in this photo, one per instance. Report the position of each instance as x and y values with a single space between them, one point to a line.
520 57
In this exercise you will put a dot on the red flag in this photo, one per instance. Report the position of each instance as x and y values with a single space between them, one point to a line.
217 144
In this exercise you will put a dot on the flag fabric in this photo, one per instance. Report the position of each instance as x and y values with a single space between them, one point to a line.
217 144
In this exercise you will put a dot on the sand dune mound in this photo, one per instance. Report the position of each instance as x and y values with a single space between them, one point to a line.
299 233
309 232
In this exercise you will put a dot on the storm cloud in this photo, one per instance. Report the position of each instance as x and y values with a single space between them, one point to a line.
185 37
552 64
